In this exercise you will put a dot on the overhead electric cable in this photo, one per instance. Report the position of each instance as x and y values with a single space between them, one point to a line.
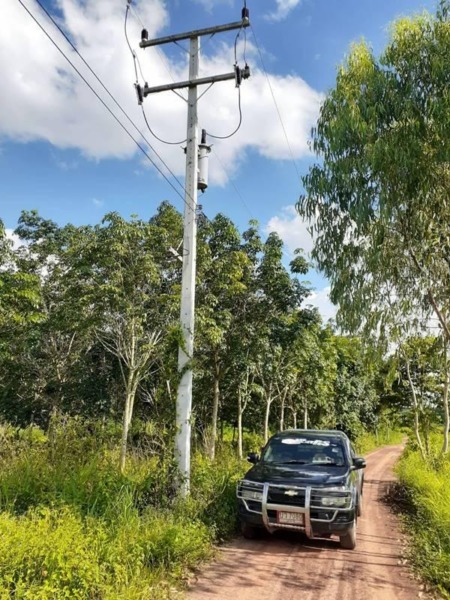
133 54
159 53
276 105
141 148
226 137
154 134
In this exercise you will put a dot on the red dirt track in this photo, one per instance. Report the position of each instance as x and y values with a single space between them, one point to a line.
290 567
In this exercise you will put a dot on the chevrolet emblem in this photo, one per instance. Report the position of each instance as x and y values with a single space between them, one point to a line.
291 493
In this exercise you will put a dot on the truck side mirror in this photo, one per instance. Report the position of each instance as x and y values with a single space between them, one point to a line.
359 463
253 458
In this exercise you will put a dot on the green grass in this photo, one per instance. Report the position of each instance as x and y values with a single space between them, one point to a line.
428 490
370 441
71 526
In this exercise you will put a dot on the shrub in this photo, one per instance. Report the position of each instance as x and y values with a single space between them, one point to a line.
74 527
429 493
49 554
385 437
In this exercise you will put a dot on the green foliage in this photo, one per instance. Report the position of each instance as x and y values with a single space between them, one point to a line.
49 554
214 491
385 436
429 493
378 196
106 335
72 526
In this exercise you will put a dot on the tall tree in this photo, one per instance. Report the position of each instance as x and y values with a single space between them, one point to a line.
121 285
220 284
379 197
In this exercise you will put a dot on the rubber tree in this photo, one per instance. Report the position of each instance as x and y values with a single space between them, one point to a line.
221 284
122 287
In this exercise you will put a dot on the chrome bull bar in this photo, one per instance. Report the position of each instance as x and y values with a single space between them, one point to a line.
283 507
305 510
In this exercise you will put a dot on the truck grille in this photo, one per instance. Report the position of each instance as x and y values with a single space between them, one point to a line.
286 496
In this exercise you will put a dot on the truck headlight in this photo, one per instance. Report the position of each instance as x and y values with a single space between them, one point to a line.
251 495
336 501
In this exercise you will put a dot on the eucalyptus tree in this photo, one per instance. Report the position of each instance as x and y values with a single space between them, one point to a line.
378 199
422 365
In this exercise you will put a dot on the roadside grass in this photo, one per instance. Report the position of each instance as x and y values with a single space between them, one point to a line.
428 492
71 526
385 437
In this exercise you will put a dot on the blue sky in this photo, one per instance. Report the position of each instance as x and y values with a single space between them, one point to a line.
61 153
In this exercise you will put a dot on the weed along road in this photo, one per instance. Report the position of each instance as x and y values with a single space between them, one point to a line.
288 566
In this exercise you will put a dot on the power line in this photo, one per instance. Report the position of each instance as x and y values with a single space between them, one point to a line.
159 53
276 105
136 59
156 136
226 137
133 53
130 135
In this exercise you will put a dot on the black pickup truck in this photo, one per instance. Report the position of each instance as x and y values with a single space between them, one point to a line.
305 480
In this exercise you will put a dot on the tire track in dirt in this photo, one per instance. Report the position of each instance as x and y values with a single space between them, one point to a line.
289 566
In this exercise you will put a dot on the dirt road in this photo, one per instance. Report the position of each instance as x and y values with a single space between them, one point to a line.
288 567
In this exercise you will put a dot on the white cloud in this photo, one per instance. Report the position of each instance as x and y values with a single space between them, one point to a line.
47 101
283 8
210 4
66 165
13 237
292 229
98 203
321 300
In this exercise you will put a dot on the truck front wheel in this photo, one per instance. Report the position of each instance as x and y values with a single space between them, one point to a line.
348 540
248 531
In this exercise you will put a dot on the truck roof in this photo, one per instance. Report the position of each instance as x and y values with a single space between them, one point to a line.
314 432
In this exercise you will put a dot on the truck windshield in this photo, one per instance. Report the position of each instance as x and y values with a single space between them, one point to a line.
304 450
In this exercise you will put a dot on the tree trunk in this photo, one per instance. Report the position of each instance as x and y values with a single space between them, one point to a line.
445 402
267 415
242 405
294 414
305 415
130 394
125 428
215 411
439 313
416 411
283 405
239 425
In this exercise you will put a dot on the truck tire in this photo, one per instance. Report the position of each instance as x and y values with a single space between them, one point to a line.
348 541
359 509
248 531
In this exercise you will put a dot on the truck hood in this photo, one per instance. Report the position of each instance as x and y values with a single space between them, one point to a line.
301 475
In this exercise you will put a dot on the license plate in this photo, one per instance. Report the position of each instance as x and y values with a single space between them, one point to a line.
290 518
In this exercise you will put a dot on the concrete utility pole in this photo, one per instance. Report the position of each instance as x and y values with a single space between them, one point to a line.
194 181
